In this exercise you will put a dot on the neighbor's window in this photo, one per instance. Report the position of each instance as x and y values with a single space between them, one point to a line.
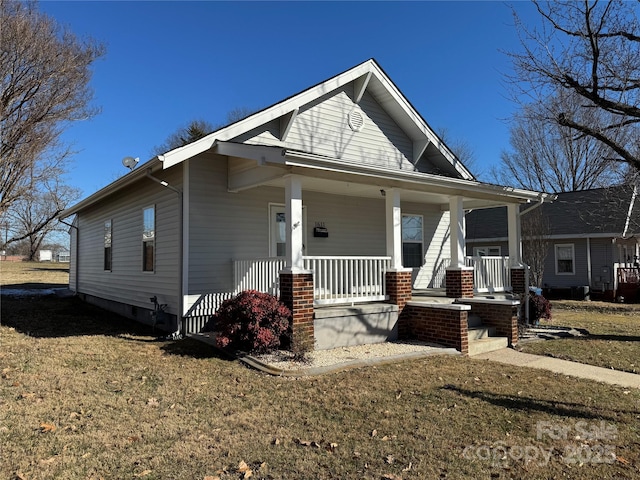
412 241
487 251
565 259
148 238
107 245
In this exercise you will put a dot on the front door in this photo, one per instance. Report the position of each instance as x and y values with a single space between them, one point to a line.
278 230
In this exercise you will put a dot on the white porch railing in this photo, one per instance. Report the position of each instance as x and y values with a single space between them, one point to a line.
490 274
261 274
337 280
348 279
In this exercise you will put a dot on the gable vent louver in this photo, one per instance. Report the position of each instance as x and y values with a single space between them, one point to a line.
355 119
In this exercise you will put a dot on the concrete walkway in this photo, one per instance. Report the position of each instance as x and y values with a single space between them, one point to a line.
573 369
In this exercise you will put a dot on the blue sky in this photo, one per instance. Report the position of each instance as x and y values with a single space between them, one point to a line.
170 62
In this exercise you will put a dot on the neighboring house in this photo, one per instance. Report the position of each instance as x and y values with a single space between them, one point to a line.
63 256
45 255
591 233
339 195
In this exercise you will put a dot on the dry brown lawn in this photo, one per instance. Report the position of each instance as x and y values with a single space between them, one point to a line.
87 395
36 275
613 339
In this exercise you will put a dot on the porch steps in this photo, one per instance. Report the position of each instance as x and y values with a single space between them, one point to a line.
488 344
482 339
481 332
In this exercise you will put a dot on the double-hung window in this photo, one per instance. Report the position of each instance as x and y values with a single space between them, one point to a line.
148 239
565 259
107 245
412 241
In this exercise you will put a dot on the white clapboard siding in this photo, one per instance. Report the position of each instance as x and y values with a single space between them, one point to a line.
126 282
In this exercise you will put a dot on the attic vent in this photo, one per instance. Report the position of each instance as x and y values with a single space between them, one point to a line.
356 120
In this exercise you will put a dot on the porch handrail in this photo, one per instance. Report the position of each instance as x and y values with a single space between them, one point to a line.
490 273
261 274
348 279
337 279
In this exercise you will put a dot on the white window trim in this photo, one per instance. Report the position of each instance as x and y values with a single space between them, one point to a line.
421 242
110 222
573 257
155 236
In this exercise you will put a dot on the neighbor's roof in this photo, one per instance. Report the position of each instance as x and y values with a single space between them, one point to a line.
601 212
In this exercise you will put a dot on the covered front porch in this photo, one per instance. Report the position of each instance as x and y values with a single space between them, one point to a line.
408 225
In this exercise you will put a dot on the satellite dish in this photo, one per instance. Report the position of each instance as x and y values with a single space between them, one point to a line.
130 162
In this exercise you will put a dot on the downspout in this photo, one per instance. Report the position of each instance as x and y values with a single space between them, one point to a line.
180 246
539 204
541 198
629 212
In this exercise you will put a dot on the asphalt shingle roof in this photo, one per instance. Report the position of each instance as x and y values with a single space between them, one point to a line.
598 211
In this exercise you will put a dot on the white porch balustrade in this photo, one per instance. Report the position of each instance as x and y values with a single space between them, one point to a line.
348 279
336 279
490 274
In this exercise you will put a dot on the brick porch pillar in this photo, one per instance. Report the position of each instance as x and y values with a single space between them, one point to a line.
398 286
296 292
459 282
518 281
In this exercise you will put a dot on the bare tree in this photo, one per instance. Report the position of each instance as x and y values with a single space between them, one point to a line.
462 149
44 86
194 130
535 231
589 48
32 218
197 129
546 156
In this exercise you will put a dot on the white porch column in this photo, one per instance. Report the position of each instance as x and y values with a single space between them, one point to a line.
294 235
515 237
457 240
394 227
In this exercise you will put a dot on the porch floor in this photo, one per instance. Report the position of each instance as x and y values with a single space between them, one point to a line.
439 295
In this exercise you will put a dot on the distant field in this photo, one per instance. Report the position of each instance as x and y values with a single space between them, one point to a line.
34 275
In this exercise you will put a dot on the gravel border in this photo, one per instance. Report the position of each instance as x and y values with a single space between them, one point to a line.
319 362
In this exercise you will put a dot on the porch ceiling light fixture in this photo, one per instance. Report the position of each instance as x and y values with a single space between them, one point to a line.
382 192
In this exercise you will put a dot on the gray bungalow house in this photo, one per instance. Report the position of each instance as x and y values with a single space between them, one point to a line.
592 234
340 199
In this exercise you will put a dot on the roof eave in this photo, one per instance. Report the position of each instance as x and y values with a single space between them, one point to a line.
515 195
110 189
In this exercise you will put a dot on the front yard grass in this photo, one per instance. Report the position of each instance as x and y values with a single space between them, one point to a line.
613 340
86 395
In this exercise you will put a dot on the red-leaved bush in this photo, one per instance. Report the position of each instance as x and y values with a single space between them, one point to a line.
251 321
539 307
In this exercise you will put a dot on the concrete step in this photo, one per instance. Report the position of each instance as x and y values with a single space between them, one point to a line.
480 332
485 345
474 320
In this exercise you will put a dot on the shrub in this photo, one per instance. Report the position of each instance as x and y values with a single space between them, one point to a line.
539 307
251 321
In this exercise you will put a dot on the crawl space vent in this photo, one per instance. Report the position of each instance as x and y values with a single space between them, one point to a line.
356 120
